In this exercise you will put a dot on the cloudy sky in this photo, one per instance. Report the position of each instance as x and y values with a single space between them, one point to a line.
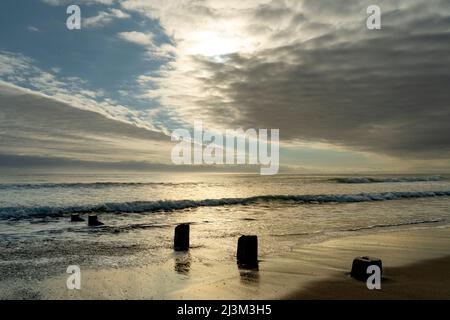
345 98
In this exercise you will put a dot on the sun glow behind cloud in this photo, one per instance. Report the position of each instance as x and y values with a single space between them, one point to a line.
211 44
218 41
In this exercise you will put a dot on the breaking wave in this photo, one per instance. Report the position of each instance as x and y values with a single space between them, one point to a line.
171 205
400 224
386 179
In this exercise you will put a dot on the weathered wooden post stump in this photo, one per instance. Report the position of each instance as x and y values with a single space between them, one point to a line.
93 221
75 217
360 265
181 239
247 251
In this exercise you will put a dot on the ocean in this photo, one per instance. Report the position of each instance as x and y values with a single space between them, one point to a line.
140 212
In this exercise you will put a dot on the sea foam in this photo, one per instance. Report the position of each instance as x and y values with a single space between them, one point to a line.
387 179
171 205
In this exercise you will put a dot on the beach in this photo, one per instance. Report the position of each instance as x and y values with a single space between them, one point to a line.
309 228
283 139
416 265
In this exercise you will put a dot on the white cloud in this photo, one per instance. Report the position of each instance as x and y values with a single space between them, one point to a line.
139 38
104 17
33 29
163 51
12 65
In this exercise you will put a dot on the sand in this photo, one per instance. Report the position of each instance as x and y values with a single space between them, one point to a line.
416 265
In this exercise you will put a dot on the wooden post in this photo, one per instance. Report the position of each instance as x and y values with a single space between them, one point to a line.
247 251
181 239
360 265
75 217
93 221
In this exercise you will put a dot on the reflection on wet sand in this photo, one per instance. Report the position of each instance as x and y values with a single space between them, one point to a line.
249 276
182 262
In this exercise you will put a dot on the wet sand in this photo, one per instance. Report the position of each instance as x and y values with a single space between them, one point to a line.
423 280
416 265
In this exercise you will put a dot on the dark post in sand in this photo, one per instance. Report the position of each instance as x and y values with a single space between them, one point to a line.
247 251
360 265
75 217
93 221
181 240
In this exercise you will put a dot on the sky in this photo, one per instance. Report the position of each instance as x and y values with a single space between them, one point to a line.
345 98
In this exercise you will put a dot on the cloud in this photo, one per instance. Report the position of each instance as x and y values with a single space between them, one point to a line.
311 69
78 2
36 125
39 133
139 38
164 51
104 17
52 164
19 69
32 29
307 67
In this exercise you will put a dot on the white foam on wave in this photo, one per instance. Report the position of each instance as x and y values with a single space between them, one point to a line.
387 179
171 205
400 224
